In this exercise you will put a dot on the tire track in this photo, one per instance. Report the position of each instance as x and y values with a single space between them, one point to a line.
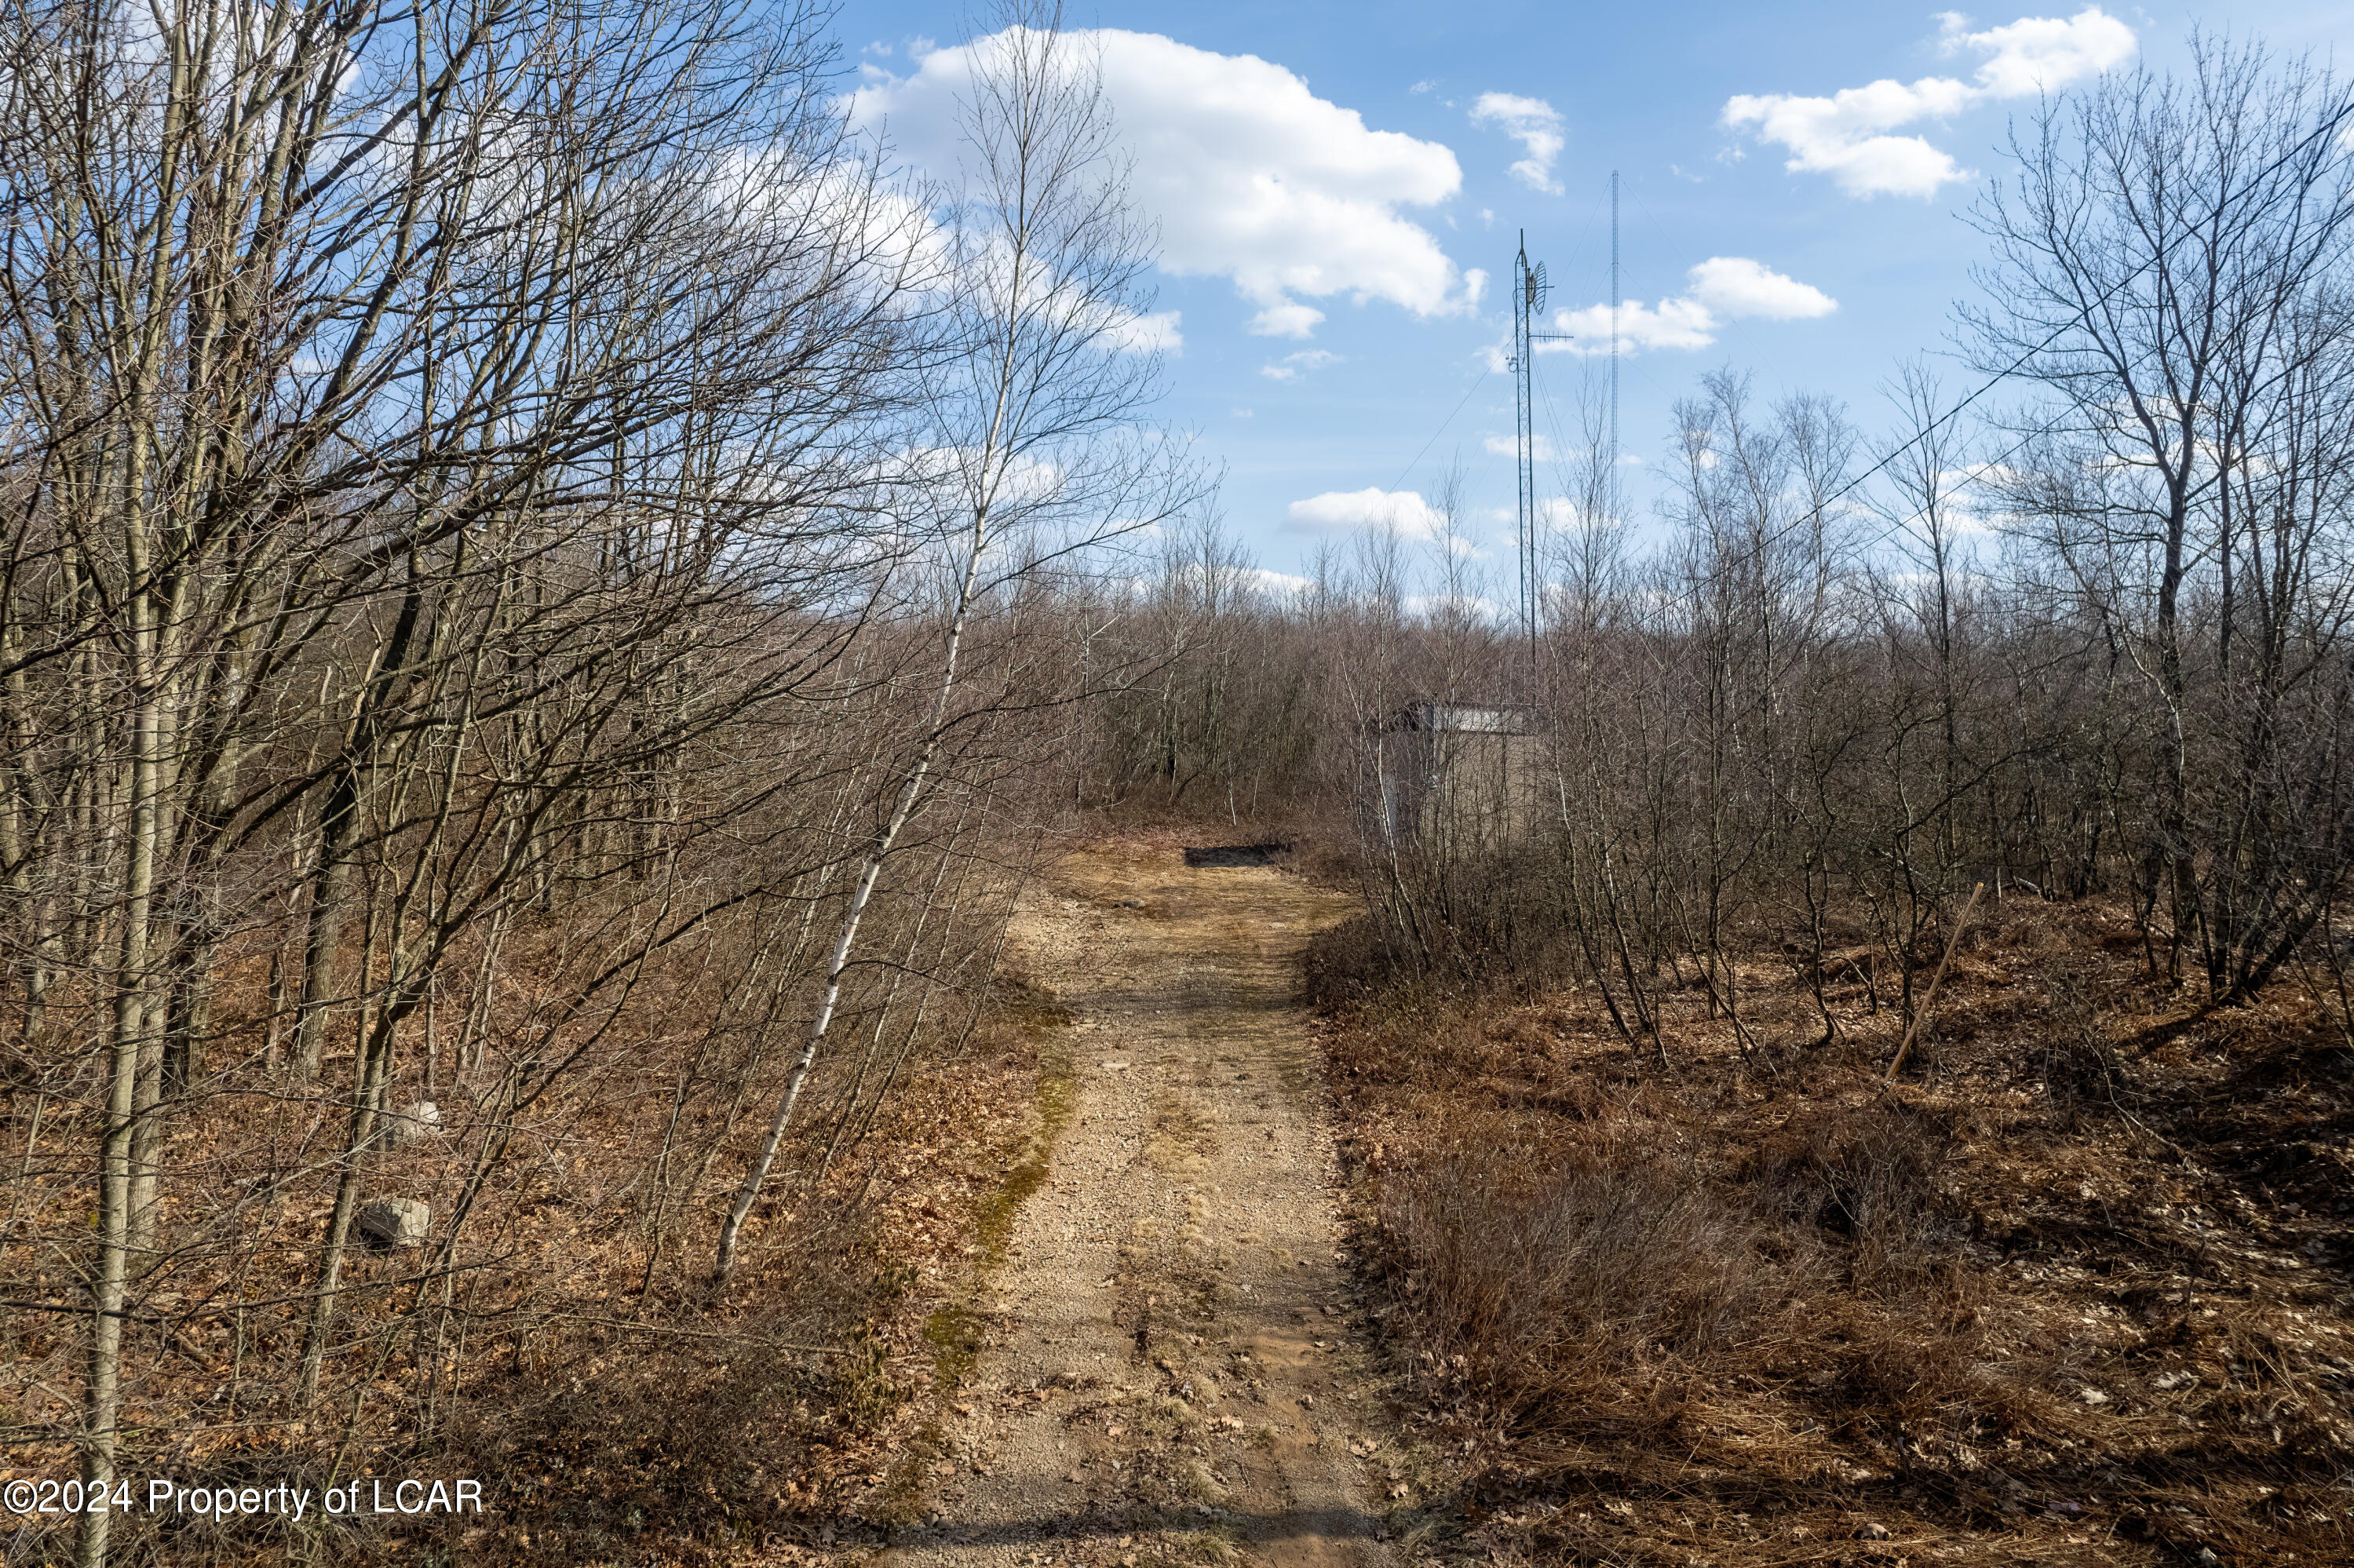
1171 1373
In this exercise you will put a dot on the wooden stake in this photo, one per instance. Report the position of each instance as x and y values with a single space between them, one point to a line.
1921 1015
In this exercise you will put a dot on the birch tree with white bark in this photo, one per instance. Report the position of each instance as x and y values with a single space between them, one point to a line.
1030 452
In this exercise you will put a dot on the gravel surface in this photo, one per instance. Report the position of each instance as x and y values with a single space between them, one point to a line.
1172 1369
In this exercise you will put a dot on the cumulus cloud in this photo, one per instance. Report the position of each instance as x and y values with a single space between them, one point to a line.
1283 584
1249 176
1733 286
2039 54
1971 499
1404 510
1845 135
1850 135
1291 367
1286 321
1720 289
1156 333
1560 515
954 471
1535 125
1506 446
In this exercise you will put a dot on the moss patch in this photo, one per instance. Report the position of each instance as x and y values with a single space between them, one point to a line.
955 1332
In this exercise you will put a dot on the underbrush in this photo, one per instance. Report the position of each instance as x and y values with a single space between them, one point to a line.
2077 1290
574 1361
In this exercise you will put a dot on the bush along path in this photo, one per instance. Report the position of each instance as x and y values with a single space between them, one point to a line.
1167 1367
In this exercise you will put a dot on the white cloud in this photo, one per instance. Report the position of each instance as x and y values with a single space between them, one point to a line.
1291 367
1734 286
1504 446
1720 289
1971 499
1156 333
1558 513
895 246
1404 510
1280 584
1844 137
1850 135
954 471
1535 125
1286 321
1248 174
1673 323
2039 54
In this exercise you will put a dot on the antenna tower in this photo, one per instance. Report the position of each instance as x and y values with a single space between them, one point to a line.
1611 494
1529 292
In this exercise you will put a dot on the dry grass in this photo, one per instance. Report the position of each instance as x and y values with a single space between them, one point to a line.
616 1413
2076 1291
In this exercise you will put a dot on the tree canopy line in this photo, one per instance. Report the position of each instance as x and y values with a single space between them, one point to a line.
549 587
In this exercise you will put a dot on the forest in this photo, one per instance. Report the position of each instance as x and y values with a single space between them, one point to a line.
560 607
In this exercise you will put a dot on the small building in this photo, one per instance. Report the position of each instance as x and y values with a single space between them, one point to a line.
1459 777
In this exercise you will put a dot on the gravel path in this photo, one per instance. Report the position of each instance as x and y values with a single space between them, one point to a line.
1171 1370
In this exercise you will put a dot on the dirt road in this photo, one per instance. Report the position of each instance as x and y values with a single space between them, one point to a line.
1170 1371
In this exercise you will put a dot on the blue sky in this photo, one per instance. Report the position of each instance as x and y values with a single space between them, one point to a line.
1325 205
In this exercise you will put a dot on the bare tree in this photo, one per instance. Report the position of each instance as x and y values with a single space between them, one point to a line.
383 384
2170 266
1029 449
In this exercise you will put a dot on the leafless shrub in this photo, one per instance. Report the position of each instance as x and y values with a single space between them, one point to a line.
1545 1276
1868 1174
2081 1068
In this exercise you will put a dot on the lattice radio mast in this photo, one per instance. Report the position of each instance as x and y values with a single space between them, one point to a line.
1529 292
1527 301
